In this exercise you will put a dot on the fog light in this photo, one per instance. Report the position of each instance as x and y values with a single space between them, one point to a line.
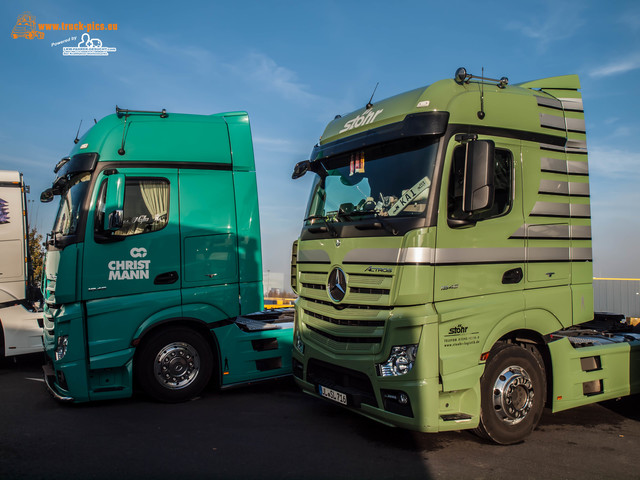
61 347
400 361
298 342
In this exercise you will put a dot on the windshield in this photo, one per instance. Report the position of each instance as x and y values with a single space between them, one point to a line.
388 180
71 200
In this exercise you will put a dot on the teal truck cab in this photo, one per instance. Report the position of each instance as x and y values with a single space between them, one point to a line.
154 263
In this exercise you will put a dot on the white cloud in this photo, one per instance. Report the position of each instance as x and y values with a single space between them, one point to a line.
622 65
280 145
558 22
613 163
262 71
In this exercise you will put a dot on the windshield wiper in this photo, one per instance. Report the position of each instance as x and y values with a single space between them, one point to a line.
327 226
377 223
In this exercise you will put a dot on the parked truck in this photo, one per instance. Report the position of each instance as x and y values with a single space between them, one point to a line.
20 312
444 268
154 264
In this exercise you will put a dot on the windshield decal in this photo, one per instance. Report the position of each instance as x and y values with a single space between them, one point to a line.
411 195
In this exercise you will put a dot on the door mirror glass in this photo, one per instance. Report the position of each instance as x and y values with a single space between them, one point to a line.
114 203
479 188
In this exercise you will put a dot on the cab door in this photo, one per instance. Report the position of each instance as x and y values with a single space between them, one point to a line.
479 266
131 273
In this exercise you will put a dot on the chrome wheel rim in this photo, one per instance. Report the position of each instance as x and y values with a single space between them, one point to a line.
513 395
177 365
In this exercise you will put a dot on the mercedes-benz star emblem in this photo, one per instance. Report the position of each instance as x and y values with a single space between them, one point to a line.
337 285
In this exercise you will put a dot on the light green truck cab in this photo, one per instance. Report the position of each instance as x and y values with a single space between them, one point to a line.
155 261
446 250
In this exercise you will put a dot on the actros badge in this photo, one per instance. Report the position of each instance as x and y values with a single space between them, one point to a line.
337 284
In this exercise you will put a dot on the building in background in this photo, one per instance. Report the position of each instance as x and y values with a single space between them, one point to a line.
273 283
617 295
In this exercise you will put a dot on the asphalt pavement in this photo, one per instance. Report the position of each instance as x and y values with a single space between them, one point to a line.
273 431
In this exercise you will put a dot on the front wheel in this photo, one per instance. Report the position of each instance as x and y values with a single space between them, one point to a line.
174 365
513 391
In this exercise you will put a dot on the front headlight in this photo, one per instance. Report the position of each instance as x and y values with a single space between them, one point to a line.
400 361
61 347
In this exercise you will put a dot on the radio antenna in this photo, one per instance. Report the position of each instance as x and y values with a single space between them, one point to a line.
481 112
369 104
78 133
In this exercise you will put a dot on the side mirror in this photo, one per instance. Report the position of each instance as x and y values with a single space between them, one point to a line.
114 203
47 195
479 189
300 169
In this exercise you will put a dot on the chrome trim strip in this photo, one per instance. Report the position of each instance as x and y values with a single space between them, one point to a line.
576 146
577 167
551 209
553 165
580 210
549 102
579 188
418 255
456 256
554 187
548 231
581 231
581 253
553 232
480 255
552 121
572 104
575 125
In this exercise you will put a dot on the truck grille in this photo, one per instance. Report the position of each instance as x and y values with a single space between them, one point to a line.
355 325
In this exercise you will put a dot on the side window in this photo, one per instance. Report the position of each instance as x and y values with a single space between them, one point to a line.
502 182
146 206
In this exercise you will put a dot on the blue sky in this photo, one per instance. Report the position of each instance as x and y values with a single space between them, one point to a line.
294 65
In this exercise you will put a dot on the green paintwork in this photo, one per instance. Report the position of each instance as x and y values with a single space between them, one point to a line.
103 294
457 310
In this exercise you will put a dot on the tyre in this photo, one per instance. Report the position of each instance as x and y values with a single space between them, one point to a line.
174 365
512 393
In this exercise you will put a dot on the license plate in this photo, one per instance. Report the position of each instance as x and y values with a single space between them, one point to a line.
333 395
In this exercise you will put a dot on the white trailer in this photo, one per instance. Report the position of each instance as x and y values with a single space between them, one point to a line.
20 319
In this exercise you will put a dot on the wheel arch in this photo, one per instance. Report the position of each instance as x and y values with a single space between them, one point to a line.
148 330
531 338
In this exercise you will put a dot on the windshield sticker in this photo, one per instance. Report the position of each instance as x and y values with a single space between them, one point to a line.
365 118
130 269
419 191
357 164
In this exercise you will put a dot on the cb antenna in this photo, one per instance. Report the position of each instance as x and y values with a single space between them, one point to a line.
369 104
78 133
481 112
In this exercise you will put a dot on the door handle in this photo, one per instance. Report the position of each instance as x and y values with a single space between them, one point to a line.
512 276
166 278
